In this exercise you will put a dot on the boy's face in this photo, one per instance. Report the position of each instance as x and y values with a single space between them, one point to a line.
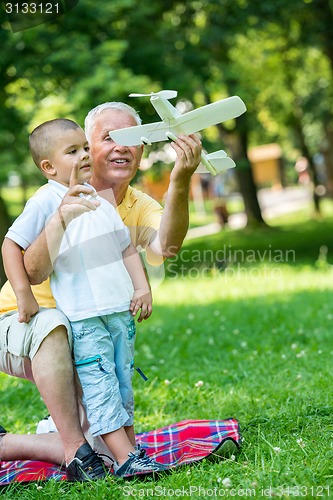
70 147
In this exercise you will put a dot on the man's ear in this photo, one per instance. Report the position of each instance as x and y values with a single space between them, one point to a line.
47 168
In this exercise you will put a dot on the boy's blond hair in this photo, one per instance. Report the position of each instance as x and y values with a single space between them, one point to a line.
41 139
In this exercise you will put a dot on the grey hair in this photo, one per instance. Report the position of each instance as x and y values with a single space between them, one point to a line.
89 121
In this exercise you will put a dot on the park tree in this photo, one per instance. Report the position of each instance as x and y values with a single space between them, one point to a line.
191 53
206 49
316 30
211 49
62 69
307 52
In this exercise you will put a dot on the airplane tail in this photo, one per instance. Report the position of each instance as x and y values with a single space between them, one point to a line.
215 163
220 161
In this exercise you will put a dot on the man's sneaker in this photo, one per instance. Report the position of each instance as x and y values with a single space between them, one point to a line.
138 463
86 465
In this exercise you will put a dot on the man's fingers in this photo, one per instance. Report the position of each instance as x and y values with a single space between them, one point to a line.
188 149
74 179
79 205
192 140
196 139
190 145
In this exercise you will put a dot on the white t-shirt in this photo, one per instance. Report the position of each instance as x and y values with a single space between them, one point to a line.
89 278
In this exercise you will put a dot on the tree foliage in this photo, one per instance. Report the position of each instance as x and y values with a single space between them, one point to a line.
277 55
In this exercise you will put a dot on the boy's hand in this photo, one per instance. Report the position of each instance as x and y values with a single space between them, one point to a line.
142 299
78 199
27 306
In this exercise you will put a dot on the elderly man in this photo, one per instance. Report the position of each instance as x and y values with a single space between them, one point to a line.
42 353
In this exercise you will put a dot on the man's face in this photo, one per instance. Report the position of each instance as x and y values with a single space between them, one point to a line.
113 164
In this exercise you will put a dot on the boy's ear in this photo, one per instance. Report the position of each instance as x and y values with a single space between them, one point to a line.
47 168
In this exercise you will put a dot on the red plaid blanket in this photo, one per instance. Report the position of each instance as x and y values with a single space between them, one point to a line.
176 444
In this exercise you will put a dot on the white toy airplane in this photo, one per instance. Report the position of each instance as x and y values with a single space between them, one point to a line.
174 123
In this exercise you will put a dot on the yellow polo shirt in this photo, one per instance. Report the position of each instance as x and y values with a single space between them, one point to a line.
141 214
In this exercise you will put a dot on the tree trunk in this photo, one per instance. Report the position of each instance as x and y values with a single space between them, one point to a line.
237 143
299 131
327 152
249 192
4 225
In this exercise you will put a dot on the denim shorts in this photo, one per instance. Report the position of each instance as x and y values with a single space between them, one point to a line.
104 359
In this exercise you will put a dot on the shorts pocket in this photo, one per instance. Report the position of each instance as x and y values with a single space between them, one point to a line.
94 360
131 330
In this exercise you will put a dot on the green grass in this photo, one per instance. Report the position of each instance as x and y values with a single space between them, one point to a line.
259 336
262 347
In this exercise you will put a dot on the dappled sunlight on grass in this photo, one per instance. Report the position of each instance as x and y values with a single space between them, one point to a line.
235 283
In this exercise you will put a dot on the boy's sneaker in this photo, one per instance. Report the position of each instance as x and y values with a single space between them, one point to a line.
138 463
86 465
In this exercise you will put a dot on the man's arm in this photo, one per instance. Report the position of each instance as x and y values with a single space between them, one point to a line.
13 263
41 254
175 218
39 257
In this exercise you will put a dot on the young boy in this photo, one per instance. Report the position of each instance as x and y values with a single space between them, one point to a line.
98 282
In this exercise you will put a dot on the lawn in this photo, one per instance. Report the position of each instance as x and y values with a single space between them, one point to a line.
248 313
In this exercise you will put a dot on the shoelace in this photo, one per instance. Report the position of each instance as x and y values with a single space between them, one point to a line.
94 462
142 459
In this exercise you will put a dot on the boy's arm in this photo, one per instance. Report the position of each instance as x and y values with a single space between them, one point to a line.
41 254
18 278
142 297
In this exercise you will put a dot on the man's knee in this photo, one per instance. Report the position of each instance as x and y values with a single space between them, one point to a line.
49 328
20 342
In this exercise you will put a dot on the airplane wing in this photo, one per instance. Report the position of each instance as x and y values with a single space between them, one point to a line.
209 115
141 134
190 122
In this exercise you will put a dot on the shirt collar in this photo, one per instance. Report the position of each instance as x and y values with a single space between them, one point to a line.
57 188
61 189
127 202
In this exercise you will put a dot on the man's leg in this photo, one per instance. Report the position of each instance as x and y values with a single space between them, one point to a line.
44 447
39 351
53 372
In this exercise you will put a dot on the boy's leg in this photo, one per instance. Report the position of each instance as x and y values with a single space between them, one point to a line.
119 443
103 352
130 434
96 342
